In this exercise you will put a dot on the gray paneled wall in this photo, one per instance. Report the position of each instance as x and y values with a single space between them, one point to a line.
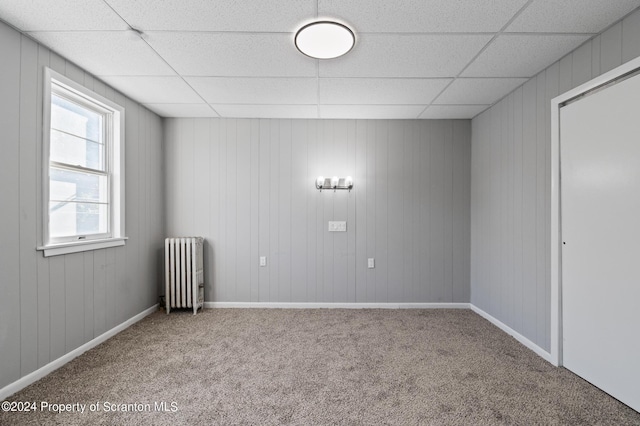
510 197
50 306
247 186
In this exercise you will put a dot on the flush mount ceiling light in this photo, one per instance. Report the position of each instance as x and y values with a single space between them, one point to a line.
324 39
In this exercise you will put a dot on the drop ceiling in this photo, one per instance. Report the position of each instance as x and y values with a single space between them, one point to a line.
231 58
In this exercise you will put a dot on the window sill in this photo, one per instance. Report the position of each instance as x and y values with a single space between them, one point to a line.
80 246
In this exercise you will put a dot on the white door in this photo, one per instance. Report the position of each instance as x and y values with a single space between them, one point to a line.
600 205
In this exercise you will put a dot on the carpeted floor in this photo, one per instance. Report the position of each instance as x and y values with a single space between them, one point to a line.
314 367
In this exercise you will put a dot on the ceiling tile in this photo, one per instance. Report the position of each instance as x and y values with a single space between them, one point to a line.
571 16
60 15
106 52
406 55
478 90
267 111
404 91
371 111
219 15
437 112
522 55
232 55
154 89
182 110
423 15
228 90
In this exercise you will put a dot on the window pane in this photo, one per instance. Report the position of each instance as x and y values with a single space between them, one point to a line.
76 151
70 218
75 119
67 185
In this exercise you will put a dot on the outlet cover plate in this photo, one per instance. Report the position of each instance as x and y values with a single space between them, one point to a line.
337 226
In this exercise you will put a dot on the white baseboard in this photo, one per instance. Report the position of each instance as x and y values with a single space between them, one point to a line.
519 337
25 381
314 305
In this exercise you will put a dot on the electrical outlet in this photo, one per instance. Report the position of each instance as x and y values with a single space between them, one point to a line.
263 260
371 263
337 226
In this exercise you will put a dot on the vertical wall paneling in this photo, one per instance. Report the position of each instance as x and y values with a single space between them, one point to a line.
611 48
504 216
10 346
232 196
327 200
284 177
224 250
89 289
99 292
631 37
581 65
409 208
542 239
406 182
314 170
461 174
427 135
57 306
395 212
50 306
74 300
518 188
350 257
263 206
382 211
243 185
28 193
340 211
212 274
360 195
300 190
447 246
254 207
202 182
43 263
371 194
436 212
142 213
128 275
273 253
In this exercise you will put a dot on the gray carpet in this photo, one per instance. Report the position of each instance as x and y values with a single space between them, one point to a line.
271 366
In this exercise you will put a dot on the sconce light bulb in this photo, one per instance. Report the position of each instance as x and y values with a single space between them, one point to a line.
320 181
334 181
348 181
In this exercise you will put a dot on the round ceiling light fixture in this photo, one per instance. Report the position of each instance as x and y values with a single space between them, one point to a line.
325 39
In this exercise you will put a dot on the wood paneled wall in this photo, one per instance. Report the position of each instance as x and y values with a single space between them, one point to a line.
247 186
511 193
50 306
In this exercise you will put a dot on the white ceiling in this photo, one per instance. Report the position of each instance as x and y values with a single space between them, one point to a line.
231 58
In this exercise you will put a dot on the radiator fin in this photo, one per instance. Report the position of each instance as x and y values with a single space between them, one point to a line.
184 273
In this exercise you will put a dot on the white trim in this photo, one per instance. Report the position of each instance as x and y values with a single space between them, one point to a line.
556 231
115 158
75 247
519 337
312 305
30 378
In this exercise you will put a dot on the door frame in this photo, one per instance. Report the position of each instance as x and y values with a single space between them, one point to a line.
556 198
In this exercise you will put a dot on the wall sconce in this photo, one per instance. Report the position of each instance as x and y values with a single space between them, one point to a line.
334 183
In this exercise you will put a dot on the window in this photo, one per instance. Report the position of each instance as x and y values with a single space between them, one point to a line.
83 168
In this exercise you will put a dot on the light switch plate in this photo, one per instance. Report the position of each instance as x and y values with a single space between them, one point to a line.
371 263
337 226
263 260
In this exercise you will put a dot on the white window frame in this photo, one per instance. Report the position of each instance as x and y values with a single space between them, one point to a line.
55 82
